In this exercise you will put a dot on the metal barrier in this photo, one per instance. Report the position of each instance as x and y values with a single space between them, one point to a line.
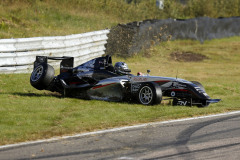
18 55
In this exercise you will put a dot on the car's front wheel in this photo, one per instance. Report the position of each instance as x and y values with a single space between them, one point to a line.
42 76
150 94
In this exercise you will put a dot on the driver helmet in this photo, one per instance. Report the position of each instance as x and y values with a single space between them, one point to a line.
121 68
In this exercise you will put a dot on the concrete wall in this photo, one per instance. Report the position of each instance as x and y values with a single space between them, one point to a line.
127 39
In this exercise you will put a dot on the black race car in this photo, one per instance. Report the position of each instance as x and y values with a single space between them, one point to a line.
99 79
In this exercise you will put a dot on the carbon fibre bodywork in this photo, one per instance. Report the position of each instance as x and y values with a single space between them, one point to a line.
97 79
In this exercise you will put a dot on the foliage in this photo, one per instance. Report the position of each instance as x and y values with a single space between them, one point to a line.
200 8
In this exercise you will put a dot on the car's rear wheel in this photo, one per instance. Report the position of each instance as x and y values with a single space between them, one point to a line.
42 76
150 94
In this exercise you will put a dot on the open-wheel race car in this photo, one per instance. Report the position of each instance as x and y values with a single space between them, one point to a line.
99 79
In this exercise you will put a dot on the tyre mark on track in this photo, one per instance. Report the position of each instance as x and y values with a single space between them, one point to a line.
184 136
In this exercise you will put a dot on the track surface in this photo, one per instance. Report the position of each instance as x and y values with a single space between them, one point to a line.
205 138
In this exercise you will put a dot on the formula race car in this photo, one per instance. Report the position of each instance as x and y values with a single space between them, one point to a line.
99 79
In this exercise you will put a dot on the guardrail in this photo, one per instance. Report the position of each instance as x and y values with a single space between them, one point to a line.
18 55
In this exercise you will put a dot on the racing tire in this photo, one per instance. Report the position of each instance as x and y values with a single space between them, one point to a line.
42 76
150 94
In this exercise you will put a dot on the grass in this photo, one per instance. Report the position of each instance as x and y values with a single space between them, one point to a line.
49 18
38 18
29 114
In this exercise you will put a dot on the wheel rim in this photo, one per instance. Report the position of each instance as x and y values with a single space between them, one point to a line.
37 73
146 95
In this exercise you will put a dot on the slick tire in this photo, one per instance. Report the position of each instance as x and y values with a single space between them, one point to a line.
150 94
42 76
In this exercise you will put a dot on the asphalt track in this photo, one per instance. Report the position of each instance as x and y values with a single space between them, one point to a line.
211 137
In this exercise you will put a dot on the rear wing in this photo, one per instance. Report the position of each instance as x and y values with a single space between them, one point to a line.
66 64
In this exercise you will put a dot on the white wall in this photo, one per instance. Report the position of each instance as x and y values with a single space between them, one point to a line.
18 55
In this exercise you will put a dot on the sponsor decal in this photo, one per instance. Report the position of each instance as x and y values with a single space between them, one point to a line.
139 79
173 94
135 87
182 103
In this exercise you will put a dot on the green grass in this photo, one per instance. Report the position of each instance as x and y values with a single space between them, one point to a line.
49 18
29 114
38 18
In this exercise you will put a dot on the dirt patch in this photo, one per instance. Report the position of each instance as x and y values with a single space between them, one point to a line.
187 57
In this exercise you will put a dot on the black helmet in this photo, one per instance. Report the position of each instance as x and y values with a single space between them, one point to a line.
121 68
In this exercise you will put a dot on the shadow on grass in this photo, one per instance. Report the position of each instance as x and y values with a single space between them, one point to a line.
37 94
58 95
